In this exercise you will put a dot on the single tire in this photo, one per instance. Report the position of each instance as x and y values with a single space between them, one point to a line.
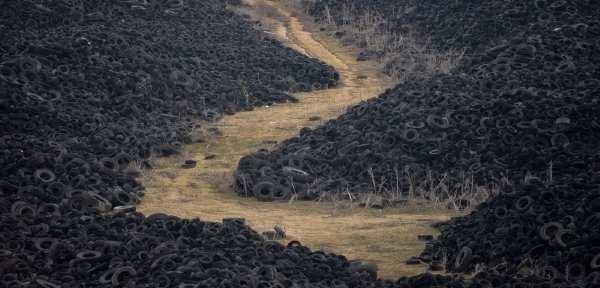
123 159
189 164
566 238
45 175
122 276
463 259
265 191
108 165
122 198
549 230
501 212
23 211
281 193
410 135
89 255
45 244
523 203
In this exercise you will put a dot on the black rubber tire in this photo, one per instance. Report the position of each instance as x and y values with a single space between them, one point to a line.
549 230
89 255
281 193
123 159
523 203
410 135
161 281
122 198
566 238
265 191
44 175
463 259
45 244
23 211
122 276
105 278
108 165
500 212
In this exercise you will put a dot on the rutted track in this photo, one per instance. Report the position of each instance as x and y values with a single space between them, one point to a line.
387 237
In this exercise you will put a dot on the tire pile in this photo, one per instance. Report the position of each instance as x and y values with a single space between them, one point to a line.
525 106
87 89
42 248
90 88
552 229
427 129
519 113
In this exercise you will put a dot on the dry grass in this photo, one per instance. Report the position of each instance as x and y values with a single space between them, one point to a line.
270 21
386 237
436 191
404 56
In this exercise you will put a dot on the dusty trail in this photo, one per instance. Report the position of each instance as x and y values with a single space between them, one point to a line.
386 237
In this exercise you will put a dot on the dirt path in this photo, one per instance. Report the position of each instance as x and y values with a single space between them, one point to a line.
386 237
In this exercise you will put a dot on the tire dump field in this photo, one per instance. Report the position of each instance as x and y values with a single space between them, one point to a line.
92 91
518 115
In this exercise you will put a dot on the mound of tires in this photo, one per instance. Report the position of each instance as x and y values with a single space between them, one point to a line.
44 246
551 229
523 107
519 113
427 129
89 90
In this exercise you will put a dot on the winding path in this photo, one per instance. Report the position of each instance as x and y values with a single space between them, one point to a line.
386 237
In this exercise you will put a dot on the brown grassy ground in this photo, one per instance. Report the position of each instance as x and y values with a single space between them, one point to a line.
386 237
